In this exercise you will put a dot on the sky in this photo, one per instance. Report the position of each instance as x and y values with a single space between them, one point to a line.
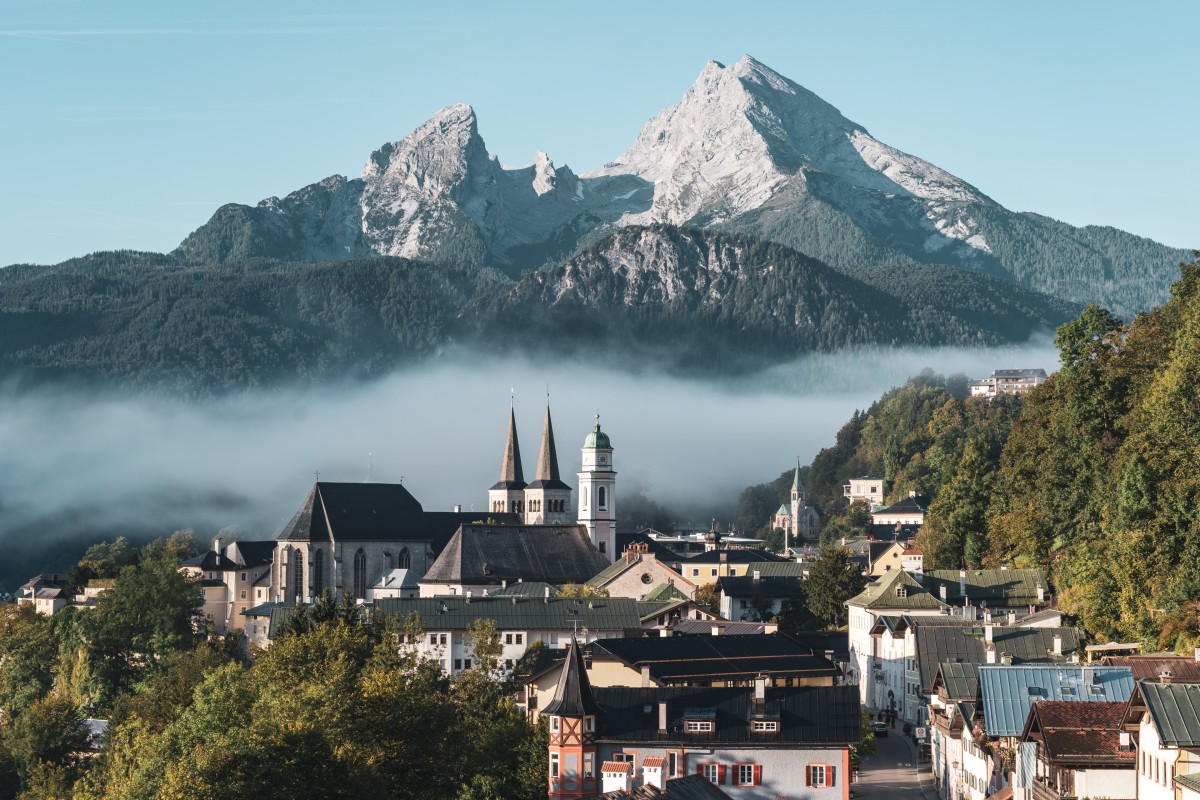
126 124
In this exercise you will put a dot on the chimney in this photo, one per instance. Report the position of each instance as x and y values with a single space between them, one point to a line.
987 632
1164 677
942 591
1006 659
1126 741
1196 654
1041 592
962 582
645 676
618 780
716 630
1058 644
457 508
991 654
757 575
503 583
652 773
546 599
1012 618
760 689
1089 676
662 716
912 492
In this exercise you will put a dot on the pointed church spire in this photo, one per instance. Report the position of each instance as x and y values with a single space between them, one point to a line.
796 484
547 468
510 470
573 695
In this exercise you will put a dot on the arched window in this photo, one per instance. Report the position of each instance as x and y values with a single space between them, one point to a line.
318 571
602 498
298 577
405 559
360 573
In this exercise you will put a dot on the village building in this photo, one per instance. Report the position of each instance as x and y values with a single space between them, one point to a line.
1008 381
902 520
760 742
234 577
798 521
1165 716
757 598
639 572
1079 750
867 489
705 568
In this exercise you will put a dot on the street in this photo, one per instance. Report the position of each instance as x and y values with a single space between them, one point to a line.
893 772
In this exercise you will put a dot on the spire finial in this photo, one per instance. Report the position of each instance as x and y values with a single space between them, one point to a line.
370 466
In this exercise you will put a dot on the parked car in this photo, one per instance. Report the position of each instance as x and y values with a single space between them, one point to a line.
879 728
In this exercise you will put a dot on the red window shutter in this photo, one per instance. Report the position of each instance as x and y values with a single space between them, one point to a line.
808 771
700 768
757 775
832 773
720 774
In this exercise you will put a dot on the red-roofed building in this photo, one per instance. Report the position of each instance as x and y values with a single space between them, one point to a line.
1082 749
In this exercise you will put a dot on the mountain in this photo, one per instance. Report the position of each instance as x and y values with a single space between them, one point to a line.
693 301
745 149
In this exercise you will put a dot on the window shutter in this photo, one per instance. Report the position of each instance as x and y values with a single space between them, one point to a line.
699 769
808 771
720 774
757 775
831 772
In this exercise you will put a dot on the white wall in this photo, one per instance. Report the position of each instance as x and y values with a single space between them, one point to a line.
1114 784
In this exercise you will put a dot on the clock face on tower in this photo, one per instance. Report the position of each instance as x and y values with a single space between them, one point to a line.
603 459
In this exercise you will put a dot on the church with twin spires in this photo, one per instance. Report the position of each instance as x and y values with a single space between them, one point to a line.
547 499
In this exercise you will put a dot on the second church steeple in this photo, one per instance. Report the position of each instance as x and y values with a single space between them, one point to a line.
548 499
508 494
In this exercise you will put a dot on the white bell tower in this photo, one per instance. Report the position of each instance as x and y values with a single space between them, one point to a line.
597 492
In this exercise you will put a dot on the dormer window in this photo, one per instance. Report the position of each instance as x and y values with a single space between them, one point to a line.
901 591
765 726
699 726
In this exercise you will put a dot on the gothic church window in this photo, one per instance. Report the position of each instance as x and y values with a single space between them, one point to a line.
360 573
405 560
318 571
298 577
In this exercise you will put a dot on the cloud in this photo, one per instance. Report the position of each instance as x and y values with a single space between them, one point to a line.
105 465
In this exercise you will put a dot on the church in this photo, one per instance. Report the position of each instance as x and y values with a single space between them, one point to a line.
344 535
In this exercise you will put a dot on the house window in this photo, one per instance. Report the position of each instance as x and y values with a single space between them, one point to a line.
243 594
466 663
554 724
520 638
457 664
625 758
603 546
713 773
695 572
554 765
764 726
508 639
699 726
433 639
672 764
243 577
747 774
360 573
821 775
714 572
589 765
589 724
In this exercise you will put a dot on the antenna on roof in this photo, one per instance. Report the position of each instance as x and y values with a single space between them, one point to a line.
512 397
370 466
402 479
317 475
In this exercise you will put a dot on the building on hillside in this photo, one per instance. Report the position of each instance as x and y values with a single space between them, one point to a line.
49 593
751 742
484 558
867 489
1149 666
992 592
1079 750
637 573
233 578
1165 714
598 492
902 520
1008 381
798 521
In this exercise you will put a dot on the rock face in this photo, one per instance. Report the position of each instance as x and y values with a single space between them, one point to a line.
744 149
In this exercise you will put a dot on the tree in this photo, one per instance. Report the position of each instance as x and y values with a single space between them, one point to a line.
50 731
832 580
708 597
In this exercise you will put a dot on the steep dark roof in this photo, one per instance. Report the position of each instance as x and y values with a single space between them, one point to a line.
354 511
816 715
511 474
961 680
209 562
1149 667
996 587
909 505
526 589
746 556
547 469
573 694
255 553
771 588
964 644
488 554
677 659
884 592
656 549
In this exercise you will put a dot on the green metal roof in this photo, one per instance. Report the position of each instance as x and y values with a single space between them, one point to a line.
961 681
885 592
998 587
664 591
1174 710
597 438
522 613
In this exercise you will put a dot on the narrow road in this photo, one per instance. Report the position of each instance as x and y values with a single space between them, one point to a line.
894 773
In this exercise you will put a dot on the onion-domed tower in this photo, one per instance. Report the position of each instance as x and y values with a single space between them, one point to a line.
597 492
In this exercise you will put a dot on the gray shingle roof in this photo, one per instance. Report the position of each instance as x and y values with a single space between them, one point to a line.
490 554
996 587
773 587
883 593
678 659
961 681
1010 691
1174 710
573 694
816 715
965 643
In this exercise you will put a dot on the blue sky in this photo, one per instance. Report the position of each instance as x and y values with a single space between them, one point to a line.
126 124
